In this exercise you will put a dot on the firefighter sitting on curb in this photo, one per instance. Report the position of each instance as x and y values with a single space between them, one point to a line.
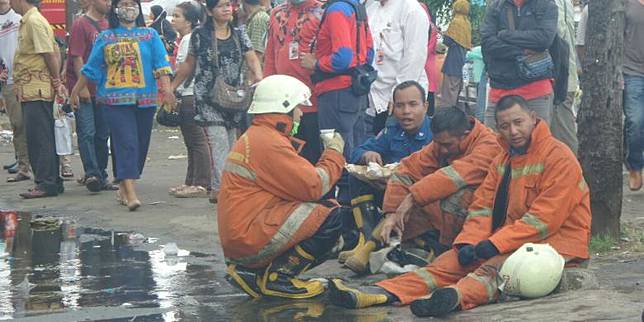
432 188
406 132
272 222
534 193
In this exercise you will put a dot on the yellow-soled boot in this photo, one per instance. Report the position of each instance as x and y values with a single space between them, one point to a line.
280 278
243 278
358 262
366 217
357 298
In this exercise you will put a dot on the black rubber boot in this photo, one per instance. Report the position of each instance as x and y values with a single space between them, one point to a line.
280 278
440 303
366 217
244 279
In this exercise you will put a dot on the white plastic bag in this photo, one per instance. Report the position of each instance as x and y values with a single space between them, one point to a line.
63 135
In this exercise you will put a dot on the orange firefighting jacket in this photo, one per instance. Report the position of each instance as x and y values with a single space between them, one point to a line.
269 195
548 200
429 181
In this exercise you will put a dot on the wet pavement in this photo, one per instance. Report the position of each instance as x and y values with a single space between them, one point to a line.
50 266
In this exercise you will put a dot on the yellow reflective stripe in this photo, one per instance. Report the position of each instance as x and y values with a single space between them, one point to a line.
483 212
528 170
535 222
324 178
583 186
403 179
282 236
489 283
364 198
237 157
453 203
240 170
427 278
453 175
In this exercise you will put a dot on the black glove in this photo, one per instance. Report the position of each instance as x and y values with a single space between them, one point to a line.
466 255
485 249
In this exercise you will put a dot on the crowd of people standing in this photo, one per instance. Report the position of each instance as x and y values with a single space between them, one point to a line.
272 101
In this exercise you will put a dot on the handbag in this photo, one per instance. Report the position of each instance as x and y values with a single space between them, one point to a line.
227 97
62 132
536 66
169 119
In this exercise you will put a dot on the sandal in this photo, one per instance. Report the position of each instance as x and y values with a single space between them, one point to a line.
19 177
174 190
192 192
67 172
121 200
213 196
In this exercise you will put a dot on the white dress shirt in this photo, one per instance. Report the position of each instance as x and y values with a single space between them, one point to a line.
400 31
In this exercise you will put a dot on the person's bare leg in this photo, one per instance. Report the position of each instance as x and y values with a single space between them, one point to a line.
132 200
122 194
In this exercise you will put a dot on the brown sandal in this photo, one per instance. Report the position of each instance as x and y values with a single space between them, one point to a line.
19 177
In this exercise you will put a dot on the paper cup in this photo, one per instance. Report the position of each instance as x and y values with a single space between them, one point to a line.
327 133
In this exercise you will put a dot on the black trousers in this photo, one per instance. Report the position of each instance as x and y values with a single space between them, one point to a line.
41 145
325 238
309 131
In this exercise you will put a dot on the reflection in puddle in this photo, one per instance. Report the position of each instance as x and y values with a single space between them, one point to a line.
48 266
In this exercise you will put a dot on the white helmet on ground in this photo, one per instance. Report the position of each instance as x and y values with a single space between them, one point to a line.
534 270
279 94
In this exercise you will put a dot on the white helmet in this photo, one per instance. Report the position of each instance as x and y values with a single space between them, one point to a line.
534 270
279 94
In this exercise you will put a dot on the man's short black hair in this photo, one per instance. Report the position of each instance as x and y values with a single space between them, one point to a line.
407 84
450 119
507 102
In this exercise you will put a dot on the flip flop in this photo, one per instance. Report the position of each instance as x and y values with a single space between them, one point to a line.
19 177
192 192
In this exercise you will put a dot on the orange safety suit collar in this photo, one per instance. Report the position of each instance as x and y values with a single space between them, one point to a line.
540 133
283 123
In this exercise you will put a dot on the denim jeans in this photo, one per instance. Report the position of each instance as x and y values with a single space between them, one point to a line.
92 132
634 123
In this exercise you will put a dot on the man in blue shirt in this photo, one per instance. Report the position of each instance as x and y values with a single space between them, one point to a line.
406 133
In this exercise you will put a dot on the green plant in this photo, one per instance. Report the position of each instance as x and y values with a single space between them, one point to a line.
602 244
442 12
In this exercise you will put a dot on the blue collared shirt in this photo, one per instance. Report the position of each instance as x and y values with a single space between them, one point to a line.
393 143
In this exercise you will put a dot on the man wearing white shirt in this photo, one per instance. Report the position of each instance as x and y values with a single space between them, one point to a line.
399 29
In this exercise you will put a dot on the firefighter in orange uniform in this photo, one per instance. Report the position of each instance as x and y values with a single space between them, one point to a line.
433 187
272 222
534 193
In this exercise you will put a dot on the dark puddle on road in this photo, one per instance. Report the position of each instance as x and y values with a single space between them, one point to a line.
52 270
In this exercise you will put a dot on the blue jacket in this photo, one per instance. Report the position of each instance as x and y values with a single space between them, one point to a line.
393 143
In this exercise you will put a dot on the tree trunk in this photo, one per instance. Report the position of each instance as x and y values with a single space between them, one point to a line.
600 117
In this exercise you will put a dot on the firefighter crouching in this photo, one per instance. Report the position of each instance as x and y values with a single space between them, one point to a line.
273 223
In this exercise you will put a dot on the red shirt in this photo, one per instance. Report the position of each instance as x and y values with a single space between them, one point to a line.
289 23
81 41
528 92
336 46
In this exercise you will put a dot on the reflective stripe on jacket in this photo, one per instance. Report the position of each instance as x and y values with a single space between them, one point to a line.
548 200
269 198
422 174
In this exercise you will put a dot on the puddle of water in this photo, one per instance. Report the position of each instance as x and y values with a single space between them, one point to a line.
49 266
